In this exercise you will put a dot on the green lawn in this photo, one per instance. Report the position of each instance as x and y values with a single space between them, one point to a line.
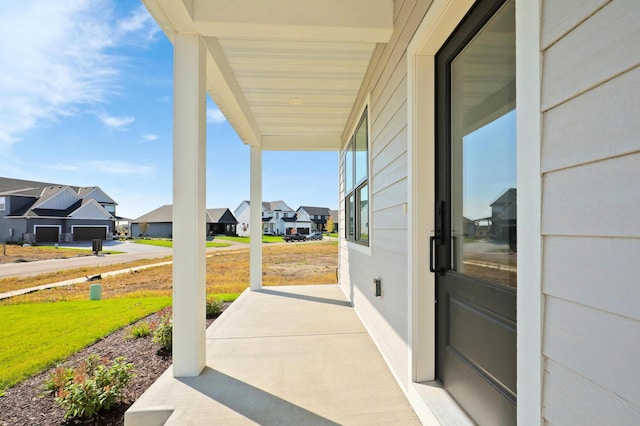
265 239
169 243
36 336
226 297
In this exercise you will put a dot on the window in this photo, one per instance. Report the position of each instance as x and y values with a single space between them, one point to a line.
110 208
2 203
356 169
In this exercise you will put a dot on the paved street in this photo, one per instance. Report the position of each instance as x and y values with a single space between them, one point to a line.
132 251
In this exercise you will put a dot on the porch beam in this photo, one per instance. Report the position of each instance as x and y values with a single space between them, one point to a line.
189 206
226 93
327 20
255 212
301 143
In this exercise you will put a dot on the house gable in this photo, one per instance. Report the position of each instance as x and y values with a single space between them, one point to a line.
163 214
222 215
95 193
281 206
90 209
241 208
56 198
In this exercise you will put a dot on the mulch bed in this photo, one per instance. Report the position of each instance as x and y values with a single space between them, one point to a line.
28 404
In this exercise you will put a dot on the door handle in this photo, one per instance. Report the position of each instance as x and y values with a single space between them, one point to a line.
432 242
454 253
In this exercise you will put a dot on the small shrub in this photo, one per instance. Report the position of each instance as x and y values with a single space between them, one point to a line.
214 307
163 334
91 387
59 379
142 329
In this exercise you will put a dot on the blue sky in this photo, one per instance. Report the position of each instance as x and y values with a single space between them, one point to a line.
489 165
86 99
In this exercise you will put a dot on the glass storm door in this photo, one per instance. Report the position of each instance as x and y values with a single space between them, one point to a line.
474 248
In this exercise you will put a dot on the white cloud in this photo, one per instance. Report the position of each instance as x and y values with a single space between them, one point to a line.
139 22
150 137
120 167
57 56
214 115
117 122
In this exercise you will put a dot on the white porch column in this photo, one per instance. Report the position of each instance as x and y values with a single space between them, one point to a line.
189 205
255 253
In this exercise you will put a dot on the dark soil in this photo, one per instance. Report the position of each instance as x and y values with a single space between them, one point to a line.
27 404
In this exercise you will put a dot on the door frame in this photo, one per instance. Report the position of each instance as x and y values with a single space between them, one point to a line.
431 403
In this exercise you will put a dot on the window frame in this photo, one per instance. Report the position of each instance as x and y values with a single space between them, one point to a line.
352 196
3 203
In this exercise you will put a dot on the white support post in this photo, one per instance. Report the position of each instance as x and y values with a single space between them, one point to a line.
255 256
189 205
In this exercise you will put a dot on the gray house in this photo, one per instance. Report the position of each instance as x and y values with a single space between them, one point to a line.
45 212
159 223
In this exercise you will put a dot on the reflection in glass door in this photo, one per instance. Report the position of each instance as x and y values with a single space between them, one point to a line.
483 151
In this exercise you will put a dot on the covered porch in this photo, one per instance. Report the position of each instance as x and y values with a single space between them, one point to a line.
283 355
288 75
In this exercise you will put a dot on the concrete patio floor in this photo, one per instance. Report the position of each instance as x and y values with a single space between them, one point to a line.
294 355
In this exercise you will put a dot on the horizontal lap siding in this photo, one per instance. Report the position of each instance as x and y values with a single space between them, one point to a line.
572 399
603 46
591 199
386 86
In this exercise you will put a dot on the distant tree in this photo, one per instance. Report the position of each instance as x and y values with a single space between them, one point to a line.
144 228
330 225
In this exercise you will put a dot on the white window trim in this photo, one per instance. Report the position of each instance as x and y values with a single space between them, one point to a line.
434 405
35 228
90 226
3 204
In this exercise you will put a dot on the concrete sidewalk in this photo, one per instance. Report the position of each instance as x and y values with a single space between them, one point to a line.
286 355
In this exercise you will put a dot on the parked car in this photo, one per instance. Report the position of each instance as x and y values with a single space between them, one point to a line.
295 237
314 236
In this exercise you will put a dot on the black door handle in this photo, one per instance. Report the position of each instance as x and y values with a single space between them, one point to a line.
454 254
432 241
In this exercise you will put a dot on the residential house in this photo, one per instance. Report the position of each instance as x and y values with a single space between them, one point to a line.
158 223
313 218
38 212
420 99
276 217
221 222
335 217
504 217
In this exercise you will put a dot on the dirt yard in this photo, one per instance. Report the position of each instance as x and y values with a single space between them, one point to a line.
13 253
227 272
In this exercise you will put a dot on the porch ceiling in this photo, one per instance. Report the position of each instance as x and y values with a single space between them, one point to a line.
285 73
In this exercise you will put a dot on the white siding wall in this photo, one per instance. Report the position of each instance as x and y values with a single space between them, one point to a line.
243 216
386 85
591 200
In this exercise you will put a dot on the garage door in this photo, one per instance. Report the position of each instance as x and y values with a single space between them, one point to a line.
86 233
47 234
